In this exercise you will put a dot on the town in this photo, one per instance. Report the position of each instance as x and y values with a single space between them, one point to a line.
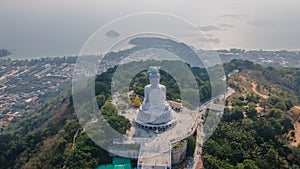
26 84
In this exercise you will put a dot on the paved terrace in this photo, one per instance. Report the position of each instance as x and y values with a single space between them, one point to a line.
155 149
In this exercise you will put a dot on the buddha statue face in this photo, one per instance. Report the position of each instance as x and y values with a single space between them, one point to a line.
154 81
154 77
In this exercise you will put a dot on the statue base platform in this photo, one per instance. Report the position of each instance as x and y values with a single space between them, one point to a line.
143 120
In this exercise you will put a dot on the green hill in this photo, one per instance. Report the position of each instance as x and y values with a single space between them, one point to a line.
254 132
257 125
50 138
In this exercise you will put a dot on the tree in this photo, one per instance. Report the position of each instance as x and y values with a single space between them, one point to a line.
237 102
288 104
247 164
287 124
233 114
251 113
275 113
251 105
108 109
273 158
211 162
117 122
273 100
252 98
100 100
136 102
281 105
237 113
296 155
276 125
191 145
101 88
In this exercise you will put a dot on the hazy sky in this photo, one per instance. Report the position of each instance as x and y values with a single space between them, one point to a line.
33 28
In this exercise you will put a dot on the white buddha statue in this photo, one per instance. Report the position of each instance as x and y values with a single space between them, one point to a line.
155 104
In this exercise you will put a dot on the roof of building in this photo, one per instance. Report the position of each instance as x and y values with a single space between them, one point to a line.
118 160
118 163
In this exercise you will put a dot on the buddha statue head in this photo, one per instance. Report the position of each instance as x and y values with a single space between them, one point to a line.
154 77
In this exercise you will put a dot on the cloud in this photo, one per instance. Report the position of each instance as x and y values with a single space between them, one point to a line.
112 34
214 40
259 23
208 40
225 25
209 28
234 16
220 27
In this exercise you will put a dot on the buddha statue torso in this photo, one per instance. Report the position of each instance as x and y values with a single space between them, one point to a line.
155 103
154 97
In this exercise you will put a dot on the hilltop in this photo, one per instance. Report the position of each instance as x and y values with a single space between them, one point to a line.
260 125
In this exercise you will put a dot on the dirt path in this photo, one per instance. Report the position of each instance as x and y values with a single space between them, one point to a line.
297 134
297 107
297 127
254 86
74 138
199 165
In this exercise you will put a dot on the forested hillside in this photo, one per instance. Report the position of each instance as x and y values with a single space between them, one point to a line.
50 138
257 130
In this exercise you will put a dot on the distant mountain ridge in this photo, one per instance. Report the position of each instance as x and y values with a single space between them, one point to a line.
181 50
278 58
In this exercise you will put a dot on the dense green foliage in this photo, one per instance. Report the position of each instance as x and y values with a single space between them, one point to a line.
46 139
117 122
288 79
248 139
191 145
238 139
53 138
140 80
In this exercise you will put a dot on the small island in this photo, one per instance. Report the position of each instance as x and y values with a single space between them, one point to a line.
4 52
